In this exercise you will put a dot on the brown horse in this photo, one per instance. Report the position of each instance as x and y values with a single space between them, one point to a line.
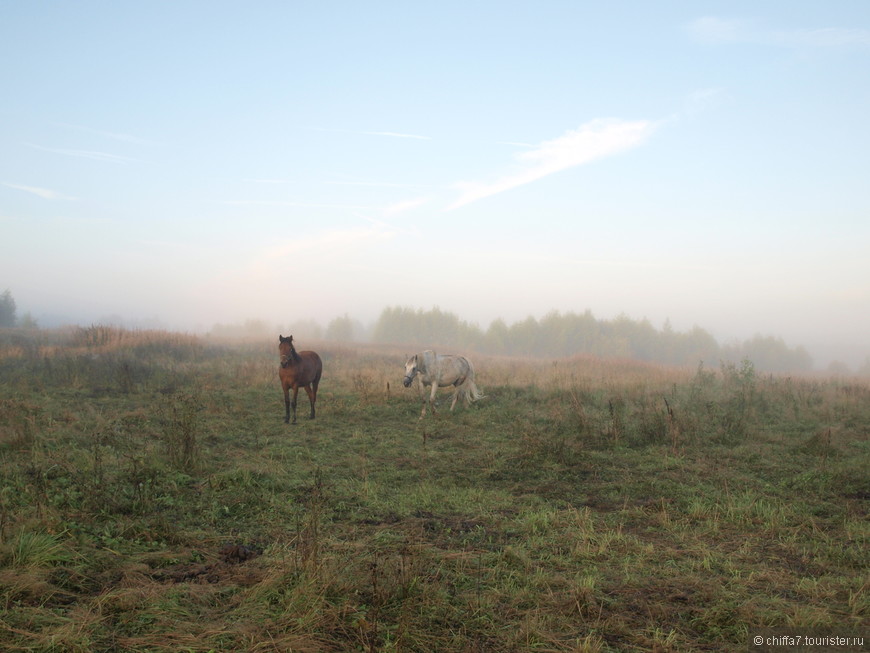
298 370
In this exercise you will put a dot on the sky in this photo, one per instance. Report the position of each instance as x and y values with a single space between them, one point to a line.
194 163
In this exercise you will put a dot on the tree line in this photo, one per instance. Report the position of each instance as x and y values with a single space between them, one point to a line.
555 335
568 334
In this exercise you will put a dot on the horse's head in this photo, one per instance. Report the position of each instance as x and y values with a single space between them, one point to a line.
410 371
287 350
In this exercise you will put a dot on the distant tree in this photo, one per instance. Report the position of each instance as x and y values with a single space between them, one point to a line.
770 354
568 334
523 337
396 325
27 321
690 348
340 329
553 337
497 335
636 338
584 333
7 309
433 328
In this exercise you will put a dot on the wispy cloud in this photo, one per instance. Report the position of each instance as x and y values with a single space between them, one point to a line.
515 144
398 135
594 140
391 209
715 30
117 136
407 205
301 205
84 154
331 242
374 184
388 134
45 193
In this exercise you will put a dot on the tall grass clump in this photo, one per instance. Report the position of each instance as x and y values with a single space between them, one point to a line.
30 549
180 419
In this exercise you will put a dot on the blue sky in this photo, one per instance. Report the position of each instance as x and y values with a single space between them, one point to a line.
203 162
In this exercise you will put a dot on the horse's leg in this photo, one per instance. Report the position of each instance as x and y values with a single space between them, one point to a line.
286 404
312 397
314 385
432 396
422 399
293 403
455 397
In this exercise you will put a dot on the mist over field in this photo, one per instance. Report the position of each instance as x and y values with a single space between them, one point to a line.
553 335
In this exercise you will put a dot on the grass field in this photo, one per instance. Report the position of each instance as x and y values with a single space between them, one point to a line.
153 500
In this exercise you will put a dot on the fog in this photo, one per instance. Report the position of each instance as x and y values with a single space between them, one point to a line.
671 167
553 334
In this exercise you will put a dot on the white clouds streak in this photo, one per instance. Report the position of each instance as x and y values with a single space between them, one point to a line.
124 138
594 140
391 209
408 205
85 154
309 251
389 134
374 184
297 205
515 144
44 193
398 135
714 30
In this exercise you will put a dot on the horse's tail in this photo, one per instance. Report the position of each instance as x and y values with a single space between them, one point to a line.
468 388
470 391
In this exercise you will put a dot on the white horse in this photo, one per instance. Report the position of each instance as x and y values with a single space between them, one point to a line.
441 370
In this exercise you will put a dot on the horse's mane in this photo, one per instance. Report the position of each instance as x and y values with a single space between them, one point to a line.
425 361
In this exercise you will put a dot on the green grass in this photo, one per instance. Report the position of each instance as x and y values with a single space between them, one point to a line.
581 506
